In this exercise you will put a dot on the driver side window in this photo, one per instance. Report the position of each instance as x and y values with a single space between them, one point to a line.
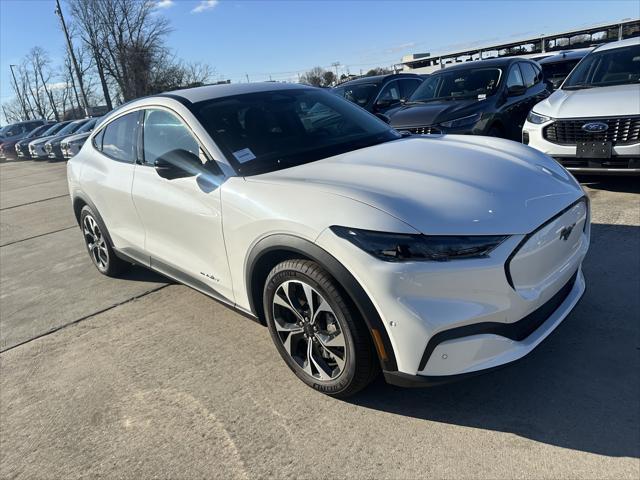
164 132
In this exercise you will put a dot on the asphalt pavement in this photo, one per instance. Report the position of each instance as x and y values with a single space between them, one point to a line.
141 377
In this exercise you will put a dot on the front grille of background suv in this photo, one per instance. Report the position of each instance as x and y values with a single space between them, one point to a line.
621 131
429 129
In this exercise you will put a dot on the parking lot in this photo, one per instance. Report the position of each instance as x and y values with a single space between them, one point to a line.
144 377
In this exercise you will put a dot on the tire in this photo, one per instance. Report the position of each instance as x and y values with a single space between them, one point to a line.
324 342
98 245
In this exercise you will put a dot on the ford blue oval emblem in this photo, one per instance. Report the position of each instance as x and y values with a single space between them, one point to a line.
595 127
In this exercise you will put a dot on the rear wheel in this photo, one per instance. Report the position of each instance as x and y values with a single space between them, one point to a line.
98 245
316 331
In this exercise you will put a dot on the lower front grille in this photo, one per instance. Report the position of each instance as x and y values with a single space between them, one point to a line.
517 331
613 162
426 130
620 131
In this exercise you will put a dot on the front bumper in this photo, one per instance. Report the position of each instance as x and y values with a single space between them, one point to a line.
37 151
449 320
55 152
625 159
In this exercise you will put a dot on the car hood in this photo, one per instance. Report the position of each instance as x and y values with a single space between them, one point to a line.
616 100
433 112
56 139
445 185
42 140
76 136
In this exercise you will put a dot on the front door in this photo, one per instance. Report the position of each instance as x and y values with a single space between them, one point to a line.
181 215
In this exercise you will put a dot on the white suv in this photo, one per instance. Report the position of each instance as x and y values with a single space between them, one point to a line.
430 257
592 123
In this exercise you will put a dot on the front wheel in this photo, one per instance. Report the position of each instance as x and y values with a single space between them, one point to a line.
316 331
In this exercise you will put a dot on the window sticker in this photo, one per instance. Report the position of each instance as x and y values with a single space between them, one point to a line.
244 155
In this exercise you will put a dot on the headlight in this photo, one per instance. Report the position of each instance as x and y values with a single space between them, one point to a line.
462 121
398 247
536 118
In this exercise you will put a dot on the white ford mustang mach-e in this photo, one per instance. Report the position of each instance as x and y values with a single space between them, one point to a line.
432 257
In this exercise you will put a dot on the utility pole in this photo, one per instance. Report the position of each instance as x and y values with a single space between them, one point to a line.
247 75
15 82
58 12
336 65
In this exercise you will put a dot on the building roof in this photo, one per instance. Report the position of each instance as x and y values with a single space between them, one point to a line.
489 62
477 46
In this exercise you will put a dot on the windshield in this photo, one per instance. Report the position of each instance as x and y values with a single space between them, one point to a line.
458 83
71 127
556 72
37 131
360 93
617 66
54 129
12 130
87 127
266 131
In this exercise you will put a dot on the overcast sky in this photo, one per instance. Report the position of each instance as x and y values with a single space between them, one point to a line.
283 38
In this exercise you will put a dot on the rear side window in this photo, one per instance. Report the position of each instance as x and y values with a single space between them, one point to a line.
119 138
97 140
529 74
515 77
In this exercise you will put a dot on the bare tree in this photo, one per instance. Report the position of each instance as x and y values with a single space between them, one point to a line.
86 14
42 66
314 77
328 78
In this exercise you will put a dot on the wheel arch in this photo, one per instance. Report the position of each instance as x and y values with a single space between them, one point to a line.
273 249
79 202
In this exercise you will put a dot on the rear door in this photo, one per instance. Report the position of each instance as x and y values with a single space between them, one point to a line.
514 111
536 89
182 216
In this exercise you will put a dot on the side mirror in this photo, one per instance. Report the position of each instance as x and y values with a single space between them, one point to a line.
178 164
383 117
516 90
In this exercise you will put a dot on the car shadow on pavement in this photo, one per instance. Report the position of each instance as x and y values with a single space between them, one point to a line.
630 184
580 389
142 274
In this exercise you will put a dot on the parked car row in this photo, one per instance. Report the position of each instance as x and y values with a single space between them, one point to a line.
48 140
590 124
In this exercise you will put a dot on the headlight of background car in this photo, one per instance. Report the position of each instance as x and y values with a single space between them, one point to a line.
536 118
462 121
397 247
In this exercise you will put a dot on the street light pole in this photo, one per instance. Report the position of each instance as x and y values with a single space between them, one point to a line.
15 82
58 12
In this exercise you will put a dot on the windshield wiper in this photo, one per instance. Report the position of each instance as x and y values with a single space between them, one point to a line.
579 86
